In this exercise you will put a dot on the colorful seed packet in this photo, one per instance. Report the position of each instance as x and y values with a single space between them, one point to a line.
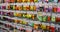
3 7
27 8
31 24
49 18
11 7
24 8
40 18
53 18
44 18
58 9
55 9
31 8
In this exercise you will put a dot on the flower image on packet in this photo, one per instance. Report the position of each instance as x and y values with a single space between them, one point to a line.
31 24
57 19
54 9
35 0
20 8
8 7
34 7
35 26
29 15
44 18
49 8
49 18
3 7
40 18
11 7
23 22
31 8
43 26
31 0
58 9
24 8
53 18
27 7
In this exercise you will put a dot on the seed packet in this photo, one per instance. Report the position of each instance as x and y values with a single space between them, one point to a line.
31 24
29 15
33 16
49 8
34 7
20 8
23 22
3 7
58 9
49 18
24 15
20 22
24 8
55 9
28 8
44 18
31 8
41 8
53 18
43 26
40 18
19 14
11 7
8 7
35 26
57 19
16 8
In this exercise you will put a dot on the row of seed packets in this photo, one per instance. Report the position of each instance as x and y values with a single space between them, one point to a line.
41 16
27 1
52 8
36 25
